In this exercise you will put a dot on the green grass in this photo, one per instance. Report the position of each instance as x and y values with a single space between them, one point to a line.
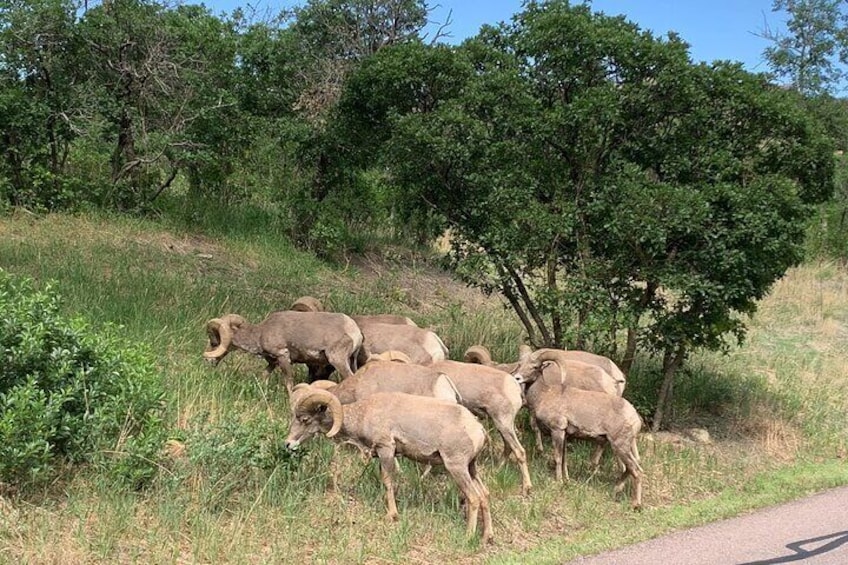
776 409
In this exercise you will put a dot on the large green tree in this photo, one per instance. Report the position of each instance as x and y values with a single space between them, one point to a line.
601 182
155 73
39 105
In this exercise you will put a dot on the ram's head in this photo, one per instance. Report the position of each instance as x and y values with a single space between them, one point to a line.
220 332
313 410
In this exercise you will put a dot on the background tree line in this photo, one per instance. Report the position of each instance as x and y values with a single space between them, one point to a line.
620 197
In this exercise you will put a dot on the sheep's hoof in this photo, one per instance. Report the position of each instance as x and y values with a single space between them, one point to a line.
392 517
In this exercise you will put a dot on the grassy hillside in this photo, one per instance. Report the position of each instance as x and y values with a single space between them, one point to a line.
777 410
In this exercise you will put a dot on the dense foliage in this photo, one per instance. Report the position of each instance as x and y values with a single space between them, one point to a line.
112 104
598 179
70 393
588 170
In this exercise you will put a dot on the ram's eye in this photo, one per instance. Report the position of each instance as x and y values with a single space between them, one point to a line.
304 419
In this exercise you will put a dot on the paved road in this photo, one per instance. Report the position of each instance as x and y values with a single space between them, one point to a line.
810 531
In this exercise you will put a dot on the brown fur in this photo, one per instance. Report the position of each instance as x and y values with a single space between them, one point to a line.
428 430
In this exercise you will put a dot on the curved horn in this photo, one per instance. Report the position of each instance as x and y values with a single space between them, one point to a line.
547 376
391 355
218 330
323 384
524 351
234 320
312 399
307 304
542 355
478 354
554 356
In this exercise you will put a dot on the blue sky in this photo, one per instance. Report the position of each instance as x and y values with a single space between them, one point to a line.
715 29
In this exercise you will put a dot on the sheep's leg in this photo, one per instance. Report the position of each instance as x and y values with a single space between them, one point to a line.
507 452
461 474
558 437
340 359
284 363
387 471
636 476
506 427
484 501
634 449
595 458
630 459
537 429
269 368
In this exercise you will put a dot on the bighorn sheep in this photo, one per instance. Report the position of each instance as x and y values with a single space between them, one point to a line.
391 376
480 354
490 391
421 345
427 430
568 411
317 339
577 374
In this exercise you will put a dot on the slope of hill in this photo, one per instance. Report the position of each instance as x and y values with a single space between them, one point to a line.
775 408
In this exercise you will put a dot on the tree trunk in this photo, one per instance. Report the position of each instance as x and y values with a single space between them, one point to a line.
125 150
507 291
165 184
556 319
531 307
671 362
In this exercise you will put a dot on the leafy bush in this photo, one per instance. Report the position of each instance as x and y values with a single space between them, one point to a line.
70 394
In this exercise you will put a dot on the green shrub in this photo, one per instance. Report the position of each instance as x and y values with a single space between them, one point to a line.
70 394
233 456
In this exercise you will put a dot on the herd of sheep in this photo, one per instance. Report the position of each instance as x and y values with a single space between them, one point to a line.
398 394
